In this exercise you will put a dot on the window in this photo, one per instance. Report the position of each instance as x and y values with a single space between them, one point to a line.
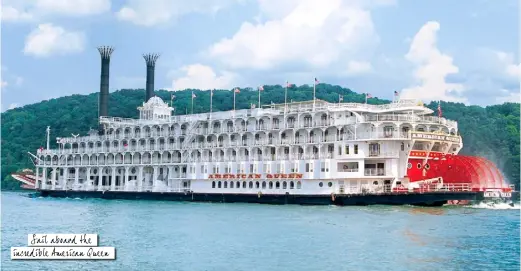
356 149
219 184
419 165
257 185
251 168
291 185
307 167
263 185
409 165
323 166
284 185
299 185
231 184
347 149
320 184
271 185
403 147
339 150
251 185
243 184
225 184
238 184
277 185
213 184
202 168
330 184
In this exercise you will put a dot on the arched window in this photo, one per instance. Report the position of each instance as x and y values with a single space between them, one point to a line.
257 185
291 185
263 185
225 184
271 185
219 184
284 185
277 185
243 184
238 184
231 184
213 184
251 185
299 185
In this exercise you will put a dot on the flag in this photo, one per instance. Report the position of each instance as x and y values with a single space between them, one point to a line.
237 90
396 93
261 88
368 95
211 92
288 84
439 109
316 81
193 95
340 98
172 97
41 148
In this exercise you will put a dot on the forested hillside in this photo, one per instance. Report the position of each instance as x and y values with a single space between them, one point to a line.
492 132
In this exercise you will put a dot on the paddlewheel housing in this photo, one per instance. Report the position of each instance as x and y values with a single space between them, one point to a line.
479 172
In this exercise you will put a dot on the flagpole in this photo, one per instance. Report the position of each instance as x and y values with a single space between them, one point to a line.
366 98
192 102
234 100
286 98
314 88
259 96
211 100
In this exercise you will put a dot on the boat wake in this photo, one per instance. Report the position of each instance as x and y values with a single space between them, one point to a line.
495 206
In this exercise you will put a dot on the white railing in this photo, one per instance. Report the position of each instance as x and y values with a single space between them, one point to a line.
374 172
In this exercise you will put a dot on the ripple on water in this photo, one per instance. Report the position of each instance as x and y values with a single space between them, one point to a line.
160 235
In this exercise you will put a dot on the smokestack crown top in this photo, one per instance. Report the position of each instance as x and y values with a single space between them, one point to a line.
105 51
151 59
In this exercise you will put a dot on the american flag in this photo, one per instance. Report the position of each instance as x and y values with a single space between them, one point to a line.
261 88
396 93
439 109
288 84
340 98
237 90
193 95
368 95
316 81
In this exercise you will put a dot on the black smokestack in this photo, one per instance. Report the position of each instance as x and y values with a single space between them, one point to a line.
150 59
105 52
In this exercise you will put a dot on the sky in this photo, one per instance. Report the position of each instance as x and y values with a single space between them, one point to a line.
462 51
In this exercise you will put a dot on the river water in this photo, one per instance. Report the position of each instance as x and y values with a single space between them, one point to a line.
156 235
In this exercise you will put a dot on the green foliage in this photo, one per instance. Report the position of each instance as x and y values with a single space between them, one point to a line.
492 132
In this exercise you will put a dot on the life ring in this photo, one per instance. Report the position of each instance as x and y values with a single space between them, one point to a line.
333 196
259 194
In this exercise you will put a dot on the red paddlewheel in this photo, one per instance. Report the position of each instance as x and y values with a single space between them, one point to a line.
479 172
